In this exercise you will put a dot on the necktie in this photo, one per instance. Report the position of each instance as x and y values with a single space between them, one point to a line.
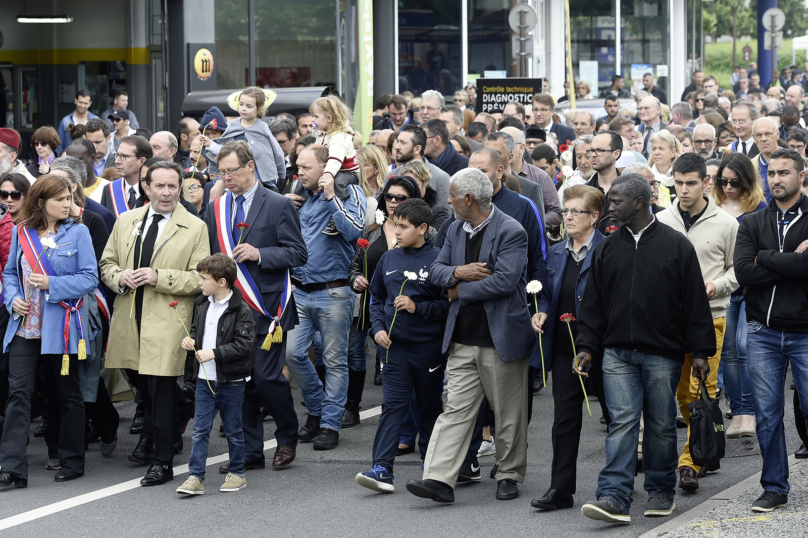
648 132
743 147
132 198
145 259
234 232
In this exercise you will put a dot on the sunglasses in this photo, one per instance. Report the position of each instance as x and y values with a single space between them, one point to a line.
14 195
734 183
397 198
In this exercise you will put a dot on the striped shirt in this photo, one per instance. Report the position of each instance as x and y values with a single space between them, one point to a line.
341 153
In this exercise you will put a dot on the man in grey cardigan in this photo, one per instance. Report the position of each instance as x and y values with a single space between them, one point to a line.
483 263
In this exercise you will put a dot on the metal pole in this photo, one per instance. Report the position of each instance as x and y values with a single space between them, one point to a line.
464 35
774 66
693 60
251 15
617 16
522 53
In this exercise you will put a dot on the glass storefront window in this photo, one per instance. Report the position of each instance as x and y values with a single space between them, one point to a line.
232 42
645 40
429 46
295 43
490 38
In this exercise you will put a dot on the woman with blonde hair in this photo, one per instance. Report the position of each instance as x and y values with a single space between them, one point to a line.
583 90
461 99
372 166
686 140
665 149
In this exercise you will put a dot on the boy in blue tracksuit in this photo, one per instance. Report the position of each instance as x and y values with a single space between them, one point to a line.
413 347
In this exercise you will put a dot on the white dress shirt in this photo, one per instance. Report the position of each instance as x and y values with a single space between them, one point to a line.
161 225
207 370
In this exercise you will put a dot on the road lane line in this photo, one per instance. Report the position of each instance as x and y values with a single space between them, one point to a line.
129 485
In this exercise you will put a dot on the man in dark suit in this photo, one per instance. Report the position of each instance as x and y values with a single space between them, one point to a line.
543 110
440 151
265 251
483 263
124 194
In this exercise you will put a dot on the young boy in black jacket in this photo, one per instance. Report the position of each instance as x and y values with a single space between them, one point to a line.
412 349
225 329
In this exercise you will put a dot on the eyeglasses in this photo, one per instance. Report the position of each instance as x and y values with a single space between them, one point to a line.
575 212
232 172
739 122
194 187
644 108
734 183
397 198
597 151
543 110
122 157
531 143
430 108
764 135
14 195
655 183
707 142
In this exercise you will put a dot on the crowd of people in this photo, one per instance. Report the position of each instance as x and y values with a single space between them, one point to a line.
634 255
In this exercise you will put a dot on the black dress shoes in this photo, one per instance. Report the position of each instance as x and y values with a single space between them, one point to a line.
431 489
801 453
327 439
42 429
157 475
8 479
137 425
553 499
143 452
66 476
507 489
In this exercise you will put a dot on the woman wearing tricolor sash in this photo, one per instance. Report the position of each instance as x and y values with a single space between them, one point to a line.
51 266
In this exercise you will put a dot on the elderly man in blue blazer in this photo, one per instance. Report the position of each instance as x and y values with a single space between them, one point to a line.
265 250
488 336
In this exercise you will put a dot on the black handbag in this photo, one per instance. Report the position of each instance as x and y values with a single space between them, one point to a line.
707 441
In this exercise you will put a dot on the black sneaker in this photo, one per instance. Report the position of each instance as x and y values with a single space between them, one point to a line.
605 510
769 501
494 471
331 229
327 439
310 429
680 421
469 472
659 507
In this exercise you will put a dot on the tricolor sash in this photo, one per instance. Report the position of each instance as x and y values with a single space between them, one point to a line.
244 281
35 256
117 193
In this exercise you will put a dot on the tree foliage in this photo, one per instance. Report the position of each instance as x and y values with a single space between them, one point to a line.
796 16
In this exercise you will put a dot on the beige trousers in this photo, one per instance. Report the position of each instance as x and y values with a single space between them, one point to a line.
475 372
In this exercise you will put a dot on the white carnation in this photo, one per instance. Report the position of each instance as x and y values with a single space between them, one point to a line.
379 217
567 171
49 243
409 275
566 156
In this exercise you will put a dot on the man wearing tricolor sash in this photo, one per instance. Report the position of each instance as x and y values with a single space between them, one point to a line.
124 194
150 262
261 231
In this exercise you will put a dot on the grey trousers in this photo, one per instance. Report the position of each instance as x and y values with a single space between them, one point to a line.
475 372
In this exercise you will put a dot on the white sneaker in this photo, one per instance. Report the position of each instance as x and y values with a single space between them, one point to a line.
487 448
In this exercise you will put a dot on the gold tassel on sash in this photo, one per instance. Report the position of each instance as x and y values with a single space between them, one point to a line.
65 365
277 337
82 349
267 343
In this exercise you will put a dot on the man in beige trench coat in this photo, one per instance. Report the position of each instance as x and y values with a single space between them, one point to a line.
150 261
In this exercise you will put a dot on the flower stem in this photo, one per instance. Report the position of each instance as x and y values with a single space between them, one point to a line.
541 348
28 290
198 155
365 293
581 379
189 336
390 332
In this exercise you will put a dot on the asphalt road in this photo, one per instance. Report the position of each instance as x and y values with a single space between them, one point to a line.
317 495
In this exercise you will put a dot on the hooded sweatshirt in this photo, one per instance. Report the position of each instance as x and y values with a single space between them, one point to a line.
431 301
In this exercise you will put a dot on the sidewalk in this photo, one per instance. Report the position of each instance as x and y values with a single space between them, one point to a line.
729 514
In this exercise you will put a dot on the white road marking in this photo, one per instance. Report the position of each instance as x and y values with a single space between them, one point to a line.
129 485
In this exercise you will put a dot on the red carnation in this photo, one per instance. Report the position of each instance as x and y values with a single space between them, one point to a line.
566 318
363 244
214 124
611 229
173 304
568 141
242 226
563 147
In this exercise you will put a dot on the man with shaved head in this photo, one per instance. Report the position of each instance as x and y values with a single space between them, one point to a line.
704 141
766 133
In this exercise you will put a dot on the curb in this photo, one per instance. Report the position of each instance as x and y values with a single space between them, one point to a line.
713 502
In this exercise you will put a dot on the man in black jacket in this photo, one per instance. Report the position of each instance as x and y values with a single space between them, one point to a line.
771 263
644 308
440 151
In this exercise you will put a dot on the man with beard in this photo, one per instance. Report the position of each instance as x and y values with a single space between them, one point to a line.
409 146
607 147
704 141
643 273
9 149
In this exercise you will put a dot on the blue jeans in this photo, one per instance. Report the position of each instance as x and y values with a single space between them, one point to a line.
635 383
329 311
228 401
356 348
733 358
770 351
